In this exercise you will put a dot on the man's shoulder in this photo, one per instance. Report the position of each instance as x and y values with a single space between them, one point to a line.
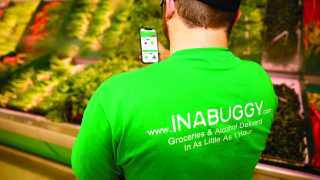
261 79
252 64
254 68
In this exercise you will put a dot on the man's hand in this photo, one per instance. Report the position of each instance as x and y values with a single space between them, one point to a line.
164 53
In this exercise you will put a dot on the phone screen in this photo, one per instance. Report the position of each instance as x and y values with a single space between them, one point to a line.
149 45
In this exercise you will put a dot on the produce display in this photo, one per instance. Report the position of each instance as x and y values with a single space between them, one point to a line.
314 103
74 29
312 36
28 88
113 35
39 38
311 19
247 35
35 80
13 22
101 21
51 86
71 97
41 33
286 142
282 23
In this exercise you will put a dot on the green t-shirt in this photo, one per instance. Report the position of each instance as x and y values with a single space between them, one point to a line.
201 114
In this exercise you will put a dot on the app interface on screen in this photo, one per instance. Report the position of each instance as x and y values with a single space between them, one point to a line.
149 44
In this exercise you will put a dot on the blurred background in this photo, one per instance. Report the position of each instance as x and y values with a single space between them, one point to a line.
55 53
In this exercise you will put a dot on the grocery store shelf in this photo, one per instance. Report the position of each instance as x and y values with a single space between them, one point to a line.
309 79
20 165
37 135
38 127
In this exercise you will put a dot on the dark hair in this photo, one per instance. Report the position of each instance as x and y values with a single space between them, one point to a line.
199 14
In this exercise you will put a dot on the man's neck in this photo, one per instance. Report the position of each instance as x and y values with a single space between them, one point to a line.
187 38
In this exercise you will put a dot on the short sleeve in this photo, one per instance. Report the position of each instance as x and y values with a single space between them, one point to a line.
92 153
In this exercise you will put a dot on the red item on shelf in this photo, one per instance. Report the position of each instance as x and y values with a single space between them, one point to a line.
311 11
4 4
311 18
315 121
38 30
12 60
39 25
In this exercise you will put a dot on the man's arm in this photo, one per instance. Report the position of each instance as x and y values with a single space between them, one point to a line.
93 153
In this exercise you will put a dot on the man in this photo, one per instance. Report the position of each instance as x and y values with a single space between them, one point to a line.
201 114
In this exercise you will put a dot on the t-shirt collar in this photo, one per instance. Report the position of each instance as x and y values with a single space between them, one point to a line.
218 57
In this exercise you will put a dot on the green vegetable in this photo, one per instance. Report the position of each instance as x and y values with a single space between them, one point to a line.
69 100
286 141
13 24
246 38
314 99
100 22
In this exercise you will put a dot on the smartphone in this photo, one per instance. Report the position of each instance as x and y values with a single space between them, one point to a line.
149 46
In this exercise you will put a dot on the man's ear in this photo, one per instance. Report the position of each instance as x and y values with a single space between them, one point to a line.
239 13
235 20
170 9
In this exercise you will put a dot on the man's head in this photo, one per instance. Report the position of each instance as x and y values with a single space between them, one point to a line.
207 14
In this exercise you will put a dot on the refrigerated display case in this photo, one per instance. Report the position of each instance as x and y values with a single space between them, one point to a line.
287 143
312 37
283 36
312 76
313 101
